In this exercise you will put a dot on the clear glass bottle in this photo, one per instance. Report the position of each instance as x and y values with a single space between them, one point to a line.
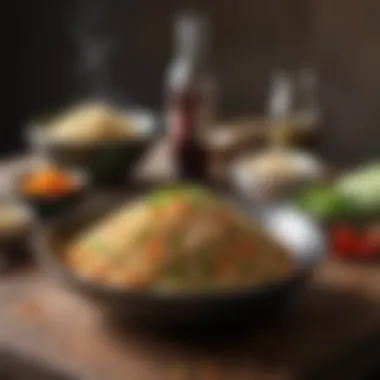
189 96
280 107
308 116
294 111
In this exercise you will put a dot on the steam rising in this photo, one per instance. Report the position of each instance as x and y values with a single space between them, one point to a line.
96 46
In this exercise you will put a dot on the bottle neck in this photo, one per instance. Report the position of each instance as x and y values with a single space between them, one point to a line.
190 45
187 79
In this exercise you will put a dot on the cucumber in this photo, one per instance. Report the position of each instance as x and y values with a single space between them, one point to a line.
362 188
324 203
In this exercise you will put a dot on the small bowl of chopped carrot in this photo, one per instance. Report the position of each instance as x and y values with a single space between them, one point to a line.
49 190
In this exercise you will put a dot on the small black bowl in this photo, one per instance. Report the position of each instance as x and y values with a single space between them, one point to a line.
50 207
108 163
14 240
175 310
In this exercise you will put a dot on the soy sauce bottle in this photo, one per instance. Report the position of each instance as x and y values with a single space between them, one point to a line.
189 97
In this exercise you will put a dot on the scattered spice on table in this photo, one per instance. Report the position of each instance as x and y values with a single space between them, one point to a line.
180 372
203 371
30 309
373 234
210 371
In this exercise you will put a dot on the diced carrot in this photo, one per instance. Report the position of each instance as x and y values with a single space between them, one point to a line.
30 309
373 235
157 212
85 254
224 217
77 257
210 371
179 372
345 241
101 272
181 207
246 250
156 251
49 182
226 270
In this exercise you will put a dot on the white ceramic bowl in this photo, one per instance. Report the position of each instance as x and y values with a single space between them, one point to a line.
274 185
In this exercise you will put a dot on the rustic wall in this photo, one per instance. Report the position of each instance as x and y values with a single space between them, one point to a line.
250 38
346 46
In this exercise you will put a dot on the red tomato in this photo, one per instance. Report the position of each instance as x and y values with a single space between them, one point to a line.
367 248
345 241
373 235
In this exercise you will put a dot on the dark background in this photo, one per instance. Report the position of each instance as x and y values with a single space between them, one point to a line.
341 38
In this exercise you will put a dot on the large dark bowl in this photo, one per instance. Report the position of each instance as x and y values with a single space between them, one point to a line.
106 163
159 309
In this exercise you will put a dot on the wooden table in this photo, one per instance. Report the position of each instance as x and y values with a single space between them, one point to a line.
42 321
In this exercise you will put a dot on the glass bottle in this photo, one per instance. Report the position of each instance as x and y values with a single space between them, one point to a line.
294 111
281 101
307 116
189 97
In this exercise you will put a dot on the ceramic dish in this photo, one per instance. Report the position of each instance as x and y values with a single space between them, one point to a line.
107 162
172 309
274 176
16 222
46 206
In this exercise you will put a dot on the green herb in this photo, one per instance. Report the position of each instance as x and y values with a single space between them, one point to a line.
166 195
99 247
175 243
362 187
325 203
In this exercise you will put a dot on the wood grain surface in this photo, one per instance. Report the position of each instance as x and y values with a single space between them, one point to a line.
43 322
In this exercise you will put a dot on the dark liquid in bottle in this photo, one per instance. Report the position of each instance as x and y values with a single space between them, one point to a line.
306 136
300 133
189 151
192 161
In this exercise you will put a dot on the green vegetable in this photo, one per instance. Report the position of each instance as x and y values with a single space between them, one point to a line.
362 188
99 248
355 194
164 196
324 203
